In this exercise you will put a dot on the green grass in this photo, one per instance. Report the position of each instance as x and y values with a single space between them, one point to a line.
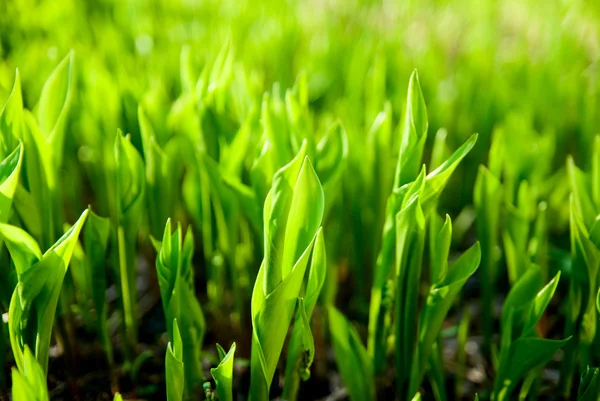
383 200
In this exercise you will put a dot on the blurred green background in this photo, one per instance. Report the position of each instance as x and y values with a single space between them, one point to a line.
480 62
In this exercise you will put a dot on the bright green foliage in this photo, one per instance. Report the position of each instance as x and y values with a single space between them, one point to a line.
223 373
10 169
439 246
589 385
417 397
410 234
176 280
292 217
43 134
438 303
35 298
585 260
353 361
521 349
11 118
161 172
425 191
227 213
174 366
414 134
29 383
271 130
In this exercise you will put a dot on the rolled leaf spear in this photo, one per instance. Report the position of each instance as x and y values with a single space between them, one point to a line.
292 218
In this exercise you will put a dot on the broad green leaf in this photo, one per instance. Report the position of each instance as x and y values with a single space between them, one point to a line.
130 177
11 118
10 170
439 247
223 373
26 209
414 134
436 181
54 104
292 215
539 305
352 359
118 397
305 218
24 250
34 301
589 385
33 199
521 297
174 366
29 383
275 216
271 315
524 355
316 274
581 191
585 265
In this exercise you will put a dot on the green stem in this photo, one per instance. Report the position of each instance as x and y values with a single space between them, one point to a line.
127 297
